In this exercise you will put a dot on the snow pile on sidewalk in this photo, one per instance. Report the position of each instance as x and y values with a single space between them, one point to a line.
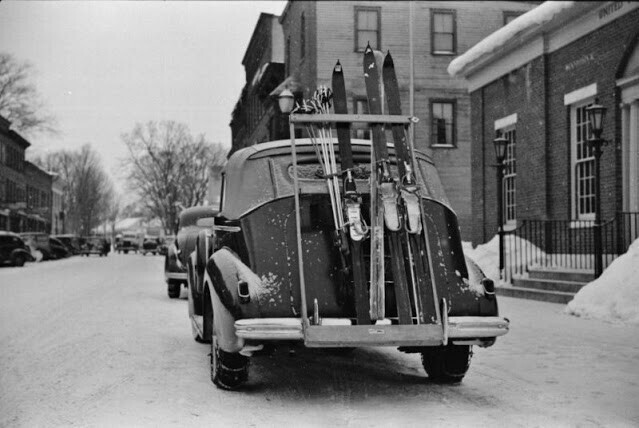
487 255
614 296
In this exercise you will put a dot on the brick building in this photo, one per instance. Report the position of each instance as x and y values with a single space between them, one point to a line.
317 34
12 179
38 198
531 82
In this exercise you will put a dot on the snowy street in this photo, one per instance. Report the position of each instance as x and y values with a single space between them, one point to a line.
97 342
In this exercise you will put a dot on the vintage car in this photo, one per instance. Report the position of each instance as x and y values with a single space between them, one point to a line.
190 222
73 243
166 242
150 244
50 247
127 241
13 250
96 245
252 285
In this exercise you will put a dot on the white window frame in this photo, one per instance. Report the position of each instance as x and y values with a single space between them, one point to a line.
507 127
582 162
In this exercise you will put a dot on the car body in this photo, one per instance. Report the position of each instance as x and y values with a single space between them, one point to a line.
128 241
150 244
248 270
96 245
13 250
190 222
58 249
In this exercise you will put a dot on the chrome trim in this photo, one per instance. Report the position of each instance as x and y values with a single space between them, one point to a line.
175 275
470 329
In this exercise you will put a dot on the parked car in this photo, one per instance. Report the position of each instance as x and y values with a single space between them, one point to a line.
150 244
251 286
71 241
96 245
51 248
190 222
167 241
13 250
127 241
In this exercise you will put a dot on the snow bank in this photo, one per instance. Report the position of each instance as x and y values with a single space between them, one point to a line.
487 255
538 16
614 296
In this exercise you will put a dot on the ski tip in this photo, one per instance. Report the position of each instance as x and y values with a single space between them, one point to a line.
388 60
368 48
338 67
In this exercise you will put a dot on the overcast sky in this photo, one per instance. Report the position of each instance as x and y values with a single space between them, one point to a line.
103 66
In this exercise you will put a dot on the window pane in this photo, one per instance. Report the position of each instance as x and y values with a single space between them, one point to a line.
443 42
367 20
367 37
443 23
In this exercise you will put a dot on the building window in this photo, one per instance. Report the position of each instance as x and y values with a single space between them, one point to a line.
442 113
510 16
303 37
509 188
583 164
360 106
443 32
367 28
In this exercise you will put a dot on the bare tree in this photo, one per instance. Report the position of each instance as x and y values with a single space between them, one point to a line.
88 191
168 167
19 101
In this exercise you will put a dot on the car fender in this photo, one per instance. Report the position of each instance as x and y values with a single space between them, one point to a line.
26 254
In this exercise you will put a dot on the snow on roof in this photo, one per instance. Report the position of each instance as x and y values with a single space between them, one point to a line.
614 296
534 18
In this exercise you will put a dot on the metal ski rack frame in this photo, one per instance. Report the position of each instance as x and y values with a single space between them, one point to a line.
348 335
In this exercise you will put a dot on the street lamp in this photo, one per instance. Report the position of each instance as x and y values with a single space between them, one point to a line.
286 101
596 115
500 144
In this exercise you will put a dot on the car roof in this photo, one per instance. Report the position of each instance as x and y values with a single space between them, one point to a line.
262 173
189 216
8 233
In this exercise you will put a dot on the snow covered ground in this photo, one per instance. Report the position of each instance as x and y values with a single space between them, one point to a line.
613 297
95 342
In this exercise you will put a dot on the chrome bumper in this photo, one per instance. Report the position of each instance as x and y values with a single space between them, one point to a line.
340 332
182 276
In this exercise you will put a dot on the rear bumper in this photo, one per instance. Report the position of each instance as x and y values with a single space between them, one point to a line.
339 332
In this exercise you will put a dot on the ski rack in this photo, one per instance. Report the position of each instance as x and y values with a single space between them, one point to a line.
339 332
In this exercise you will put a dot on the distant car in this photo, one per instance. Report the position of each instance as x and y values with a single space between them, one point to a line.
190 223
51 248
57 249
128 241
167 241
150 245
96 245
13 250
71 241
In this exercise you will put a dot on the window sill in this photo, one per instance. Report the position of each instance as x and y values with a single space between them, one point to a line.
509 227
582 224
443 146
443 53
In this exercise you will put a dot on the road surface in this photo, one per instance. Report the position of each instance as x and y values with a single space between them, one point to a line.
97 342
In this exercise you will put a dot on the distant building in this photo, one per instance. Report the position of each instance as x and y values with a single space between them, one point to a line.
532 82
13 202
38 197
57 205
316 34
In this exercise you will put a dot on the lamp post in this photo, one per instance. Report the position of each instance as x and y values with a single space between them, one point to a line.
286 102
596 114
500 144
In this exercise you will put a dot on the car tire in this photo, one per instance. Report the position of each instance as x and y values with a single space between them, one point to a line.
229 370
19 260
173 289
447 364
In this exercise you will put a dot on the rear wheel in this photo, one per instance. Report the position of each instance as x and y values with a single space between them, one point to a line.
191 290
173 289
447 364
228 370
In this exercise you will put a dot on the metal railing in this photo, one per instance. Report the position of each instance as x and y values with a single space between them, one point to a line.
559 244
